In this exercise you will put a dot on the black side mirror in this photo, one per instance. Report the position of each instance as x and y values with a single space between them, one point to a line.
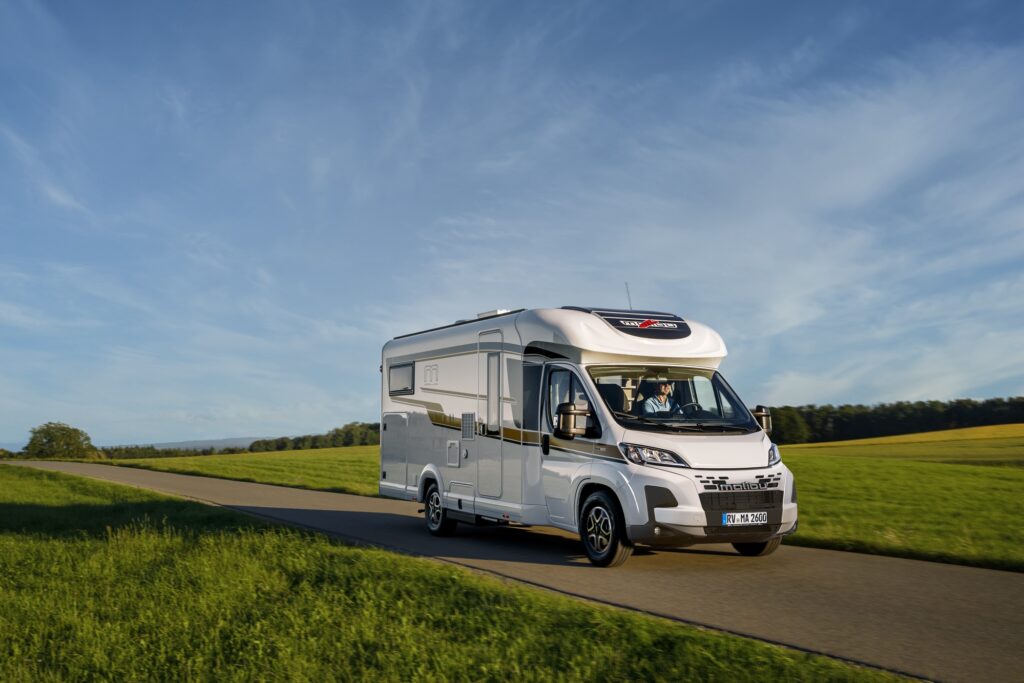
764 418
572 420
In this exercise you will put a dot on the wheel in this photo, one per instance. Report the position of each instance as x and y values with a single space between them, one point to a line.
603 531
435 515
758 549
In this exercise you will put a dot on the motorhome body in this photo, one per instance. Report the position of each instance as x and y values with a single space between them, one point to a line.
613 424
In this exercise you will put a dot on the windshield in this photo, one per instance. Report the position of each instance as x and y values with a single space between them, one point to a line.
657 397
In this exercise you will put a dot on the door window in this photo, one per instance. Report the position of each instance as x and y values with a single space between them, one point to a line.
493 394
565 387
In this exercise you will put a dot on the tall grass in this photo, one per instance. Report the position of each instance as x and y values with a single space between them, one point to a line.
96 585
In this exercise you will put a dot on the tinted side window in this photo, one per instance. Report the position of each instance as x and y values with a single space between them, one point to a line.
400 379
559 388
566 387
531 396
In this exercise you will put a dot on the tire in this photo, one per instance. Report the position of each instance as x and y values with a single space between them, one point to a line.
434 514
758 549
603 531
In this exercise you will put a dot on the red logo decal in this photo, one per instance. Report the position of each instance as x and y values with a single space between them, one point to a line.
647 323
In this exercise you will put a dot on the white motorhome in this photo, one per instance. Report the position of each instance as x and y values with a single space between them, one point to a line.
613 424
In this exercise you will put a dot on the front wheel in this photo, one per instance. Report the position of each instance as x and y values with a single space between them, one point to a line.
757 549
438 522
603 531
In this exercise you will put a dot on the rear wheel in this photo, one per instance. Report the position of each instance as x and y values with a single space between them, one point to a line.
436 516
603 531
756 549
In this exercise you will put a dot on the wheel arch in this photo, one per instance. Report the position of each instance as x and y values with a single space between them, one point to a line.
429 473
585 489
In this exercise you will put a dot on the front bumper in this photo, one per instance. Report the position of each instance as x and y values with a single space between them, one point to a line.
680 518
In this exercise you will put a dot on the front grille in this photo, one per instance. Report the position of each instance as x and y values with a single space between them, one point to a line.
715 503
741 500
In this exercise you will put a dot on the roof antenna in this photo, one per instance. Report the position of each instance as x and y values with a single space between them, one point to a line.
628 297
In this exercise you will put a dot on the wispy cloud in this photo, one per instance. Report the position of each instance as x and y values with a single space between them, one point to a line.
270 199
40 174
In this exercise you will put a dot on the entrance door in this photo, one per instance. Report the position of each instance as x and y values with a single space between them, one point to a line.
489 444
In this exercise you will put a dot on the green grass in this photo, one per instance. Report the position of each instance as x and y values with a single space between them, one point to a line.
100 582
995 445
344 470
951 496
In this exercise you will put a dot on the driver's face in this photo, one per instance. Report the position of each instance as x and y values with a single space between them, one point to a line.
664 388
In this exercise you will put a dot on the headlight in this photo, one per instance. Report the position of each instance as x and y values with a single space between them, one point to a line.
645 455
773 456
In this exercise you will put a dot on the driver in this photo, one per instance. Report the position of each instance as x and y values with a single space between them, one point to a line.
661 401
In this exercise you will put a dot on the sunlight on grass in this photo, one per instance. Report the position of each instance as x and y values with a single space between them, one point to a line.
104 582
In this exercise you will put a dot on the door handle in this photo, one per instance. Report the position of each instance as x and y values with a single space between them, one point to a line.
545 444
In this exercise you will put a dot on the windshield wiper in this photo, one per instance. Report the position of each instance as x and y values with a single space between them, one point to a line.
730 428
640 418
703 426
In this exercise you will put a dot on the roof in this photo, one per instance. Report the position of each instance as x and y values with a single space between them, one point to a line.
583 335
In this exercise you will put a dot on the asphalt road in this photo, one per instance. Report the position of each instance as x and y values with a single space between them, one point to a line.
926 619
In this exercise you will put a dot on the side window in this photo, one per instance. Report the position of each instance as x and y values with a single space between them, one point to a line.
493 393
532 391
559 386
400 379
566 387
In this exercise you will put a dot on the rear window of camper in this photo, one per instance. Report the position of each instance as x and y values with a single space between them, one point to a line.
400 379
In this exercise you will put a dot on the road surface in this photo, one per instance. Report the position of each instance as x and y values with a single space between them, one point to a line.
930 620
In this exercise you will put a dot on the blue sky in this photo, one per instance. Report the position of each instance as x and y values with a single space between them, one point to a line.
213 215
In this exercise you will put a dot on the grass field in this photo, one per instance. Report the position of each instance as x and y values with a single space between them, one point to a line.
104 582
345 470
951 496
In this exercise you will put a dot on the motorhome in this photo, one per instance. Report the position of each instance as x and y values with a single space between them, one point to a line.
613 424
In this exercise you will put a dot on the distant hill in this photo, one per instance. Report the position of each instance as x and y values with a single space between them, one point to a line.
14 446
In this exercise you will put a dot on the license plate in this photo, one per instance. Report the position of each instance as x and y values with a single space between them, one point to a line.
744 518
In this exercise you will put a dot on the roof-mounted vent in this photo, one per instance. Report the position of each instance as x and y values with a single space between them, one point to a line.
491 314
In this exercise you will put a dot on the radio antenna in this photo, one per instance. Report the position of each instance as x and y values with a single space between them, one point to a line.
628 297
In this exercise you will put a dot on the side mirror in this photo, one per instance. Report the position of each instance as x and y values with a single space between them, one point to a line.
572 420
764 418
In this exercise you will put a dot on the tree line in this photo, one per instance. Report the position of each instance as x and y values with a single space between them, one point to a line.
352 434
58 440
813 423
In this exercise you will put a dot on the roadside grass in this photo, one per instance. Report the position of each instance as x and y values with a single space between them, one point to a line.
951 496
105 582
344 470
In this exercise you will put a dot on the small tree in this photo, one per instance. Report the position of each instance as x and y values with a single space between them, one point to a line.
4 453
58 440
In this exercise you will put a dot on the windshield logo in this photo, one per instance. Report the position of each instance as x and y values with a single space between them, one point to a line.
644 324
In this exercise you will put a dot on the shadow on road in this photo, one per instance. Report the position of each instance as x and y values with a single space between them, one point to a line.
407 533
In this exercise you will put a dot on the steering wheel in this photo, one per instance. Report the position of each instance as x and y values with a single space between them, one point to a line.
693 406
